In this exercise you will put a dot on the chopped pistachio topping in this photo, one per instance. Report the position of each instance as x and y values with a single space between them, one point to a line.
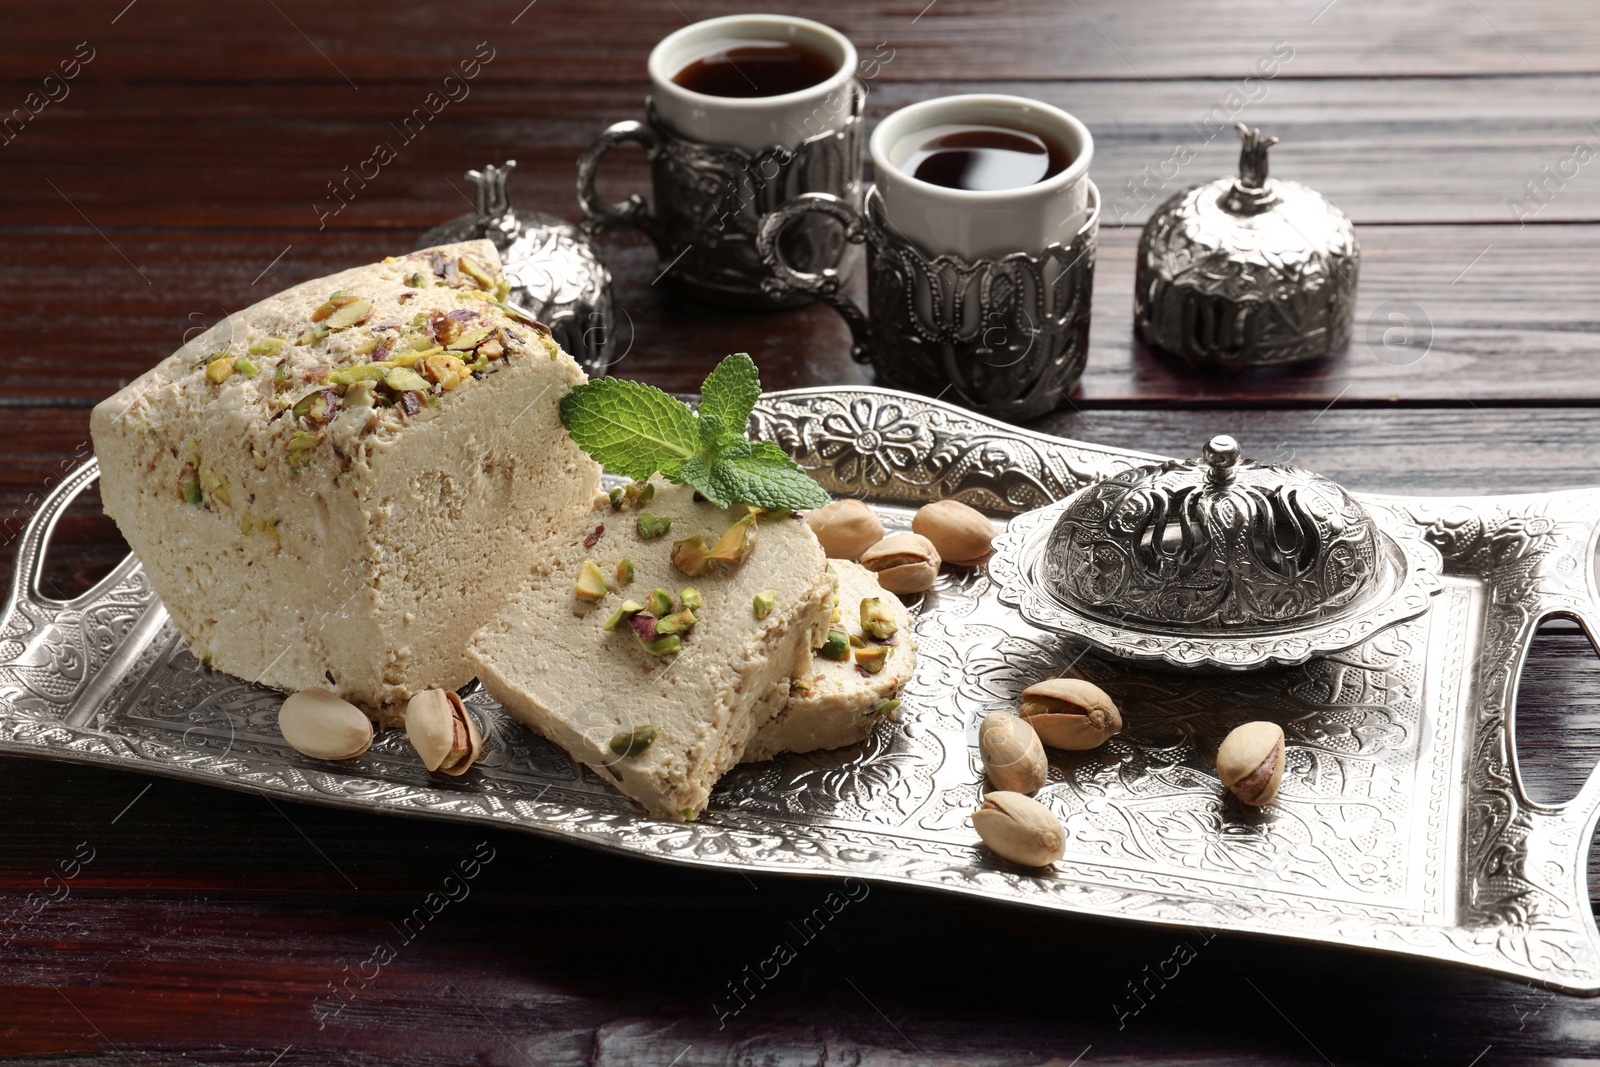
664 645
266 346
660 602
628 609
317 408
405 380
887 708
836 647
349 314
591 585
298 451
220 369
653 526
445 371
246 367
873 658
633 742
472 269
690 598
470 339
215 486
615 496
679 623
763 602
360 372
735 546
876 619
689 555
624 571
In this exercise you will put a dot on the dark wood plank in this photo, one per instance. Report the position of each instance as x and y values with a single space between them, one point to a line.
1511 324
1413 150
573 40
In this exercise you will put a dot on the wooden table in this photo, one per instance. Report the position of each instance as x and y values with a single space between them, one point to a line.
180 175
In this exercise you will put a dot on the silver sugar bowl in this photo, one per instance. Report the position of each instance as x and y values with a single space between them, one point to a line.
1216 562
1247 272
555 272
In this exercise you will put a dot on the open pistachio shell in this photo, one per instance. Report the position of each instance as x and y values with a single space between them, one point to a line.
1070 713
1250 762
443 732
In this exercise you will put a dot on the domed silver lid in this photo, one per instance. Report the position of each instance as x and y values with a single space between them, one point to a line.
1247 271
1215 562
555 272
1219 540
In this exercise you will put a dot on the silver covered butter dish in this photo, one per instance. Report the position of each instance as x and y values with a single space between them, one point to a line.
1247 272
1216 562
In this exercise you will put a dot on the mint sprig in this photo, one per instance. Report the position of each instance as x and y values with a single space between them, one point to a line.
636 430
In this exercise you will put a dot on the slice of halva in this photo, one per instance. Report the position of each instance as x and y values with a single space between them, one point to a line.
661 727
336 486
838 703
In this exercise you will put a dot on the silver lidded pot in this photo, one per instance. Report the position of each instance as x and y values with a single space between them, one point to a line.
1250 271
1216 562
554 270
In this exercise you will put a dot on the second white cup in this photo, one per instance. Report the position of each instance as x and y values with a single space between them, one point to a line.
986 223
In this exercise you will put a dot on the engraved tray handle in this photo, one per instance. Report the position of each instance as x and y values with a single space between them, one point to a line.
1403 825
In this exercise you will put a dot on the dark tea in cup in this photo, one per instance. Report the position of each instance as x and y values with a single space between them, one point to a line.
745 68
980 158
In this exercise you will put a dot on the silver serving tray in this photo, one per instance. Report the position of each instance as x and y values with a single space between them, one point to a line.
1402 826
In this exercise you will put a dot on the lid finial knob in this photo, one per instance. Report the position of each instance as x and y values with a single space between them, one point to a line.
1221 454
1251 193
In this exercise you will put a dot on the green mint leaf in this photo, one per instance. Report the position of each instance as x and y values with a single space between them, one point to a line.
712 430
697 472
729 393
767 478
630 428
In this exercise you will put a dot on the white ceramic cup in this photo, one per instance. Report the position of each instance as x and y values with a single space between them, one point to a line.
983 224
759 122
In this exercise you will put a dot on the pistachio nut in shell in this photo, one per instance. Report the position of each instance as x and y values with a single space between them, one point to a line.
1020 829
1250 762
442 730
846 528
903 563
1070 713
962 534
321 725
1013 757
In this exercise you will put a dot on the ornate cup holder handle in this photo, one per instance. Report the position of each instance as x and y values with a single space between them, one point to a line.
632 213
708 202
